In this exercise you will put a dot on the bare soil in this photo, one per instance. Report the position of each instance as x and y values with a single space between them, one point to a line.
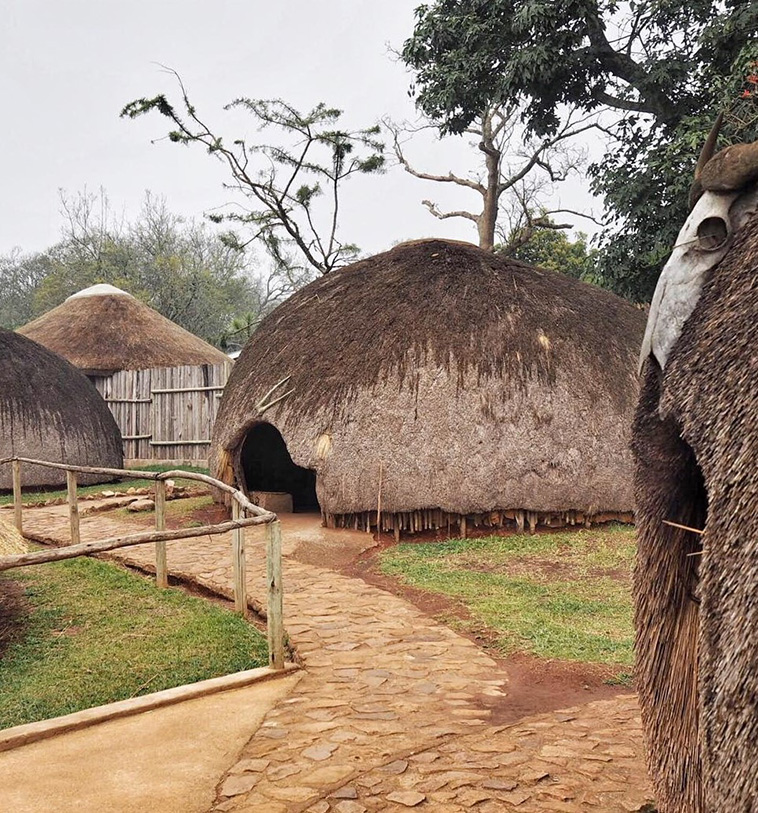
14 610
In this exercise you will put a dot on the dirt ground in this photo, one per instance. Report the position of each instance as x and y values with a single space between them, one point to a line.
14 609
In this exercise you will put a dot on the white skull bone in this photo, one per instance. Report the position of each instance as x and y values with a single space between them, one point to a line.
702 243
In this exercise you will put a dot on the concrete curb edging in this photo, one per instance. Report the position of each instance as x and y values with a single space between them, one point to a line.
32 732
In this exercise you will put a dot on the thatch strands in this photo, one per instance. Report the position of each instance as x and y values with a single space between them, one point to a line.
11 541
103 329
438 381
696 446
49 409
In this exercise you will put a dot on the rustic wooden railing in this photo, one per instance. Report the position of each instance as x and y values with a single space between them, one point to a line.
244 515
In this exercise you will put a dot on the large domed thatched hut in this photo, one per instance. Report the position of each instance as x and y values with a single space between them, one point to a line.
50 411
435 385
160 381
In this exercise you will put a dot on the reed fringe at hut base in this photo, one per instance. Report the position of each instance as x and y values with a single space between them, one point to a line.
434 519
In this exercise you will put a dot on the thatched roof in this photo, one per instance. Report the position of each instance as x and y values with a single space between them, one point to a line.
50 411
470 381
11 541
103 329
696 448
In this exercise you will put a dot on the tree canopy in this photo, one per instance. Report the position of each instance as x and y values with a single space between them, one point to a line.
293 184
552 248
183 270
655 71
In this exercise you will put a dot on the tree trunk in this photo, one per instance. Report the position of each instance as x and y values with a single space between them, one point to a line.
488 218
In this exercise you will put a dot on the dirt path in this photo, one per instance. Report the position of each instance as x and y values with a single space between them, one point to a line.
395 710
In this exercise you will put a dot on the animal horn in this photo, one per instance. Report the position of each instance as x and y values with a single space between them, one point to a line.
709 148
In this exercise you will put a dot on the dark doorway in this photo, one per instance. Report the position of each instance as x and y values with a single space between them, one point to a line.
267 466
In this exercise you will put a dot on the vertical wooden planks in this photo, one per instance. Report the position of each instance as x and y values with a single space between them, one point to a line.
161 563
238 564
165 413
17 504
73 507
275 609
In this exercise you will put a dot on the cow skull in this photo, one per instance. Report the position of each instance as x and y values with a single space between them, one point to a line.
724 195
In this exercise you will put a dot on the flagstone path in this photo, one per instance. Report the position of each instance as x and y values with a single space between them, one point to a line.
392 713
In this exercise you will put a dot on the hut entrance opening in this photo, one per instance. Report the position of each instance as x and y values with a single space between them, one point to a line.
268 467
684 500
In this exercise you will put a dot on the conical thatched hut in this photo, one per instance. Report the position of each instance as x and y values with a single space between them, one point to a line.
50 411
437 385
161 382
103 329
695 441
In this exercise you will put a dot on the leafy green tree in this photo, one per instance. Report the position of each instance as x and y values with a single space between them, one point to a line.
183 270
293 187
658 71
20 276
550 247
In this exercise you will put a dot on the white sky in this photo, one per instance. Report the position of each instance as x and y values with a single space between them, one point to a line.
68 67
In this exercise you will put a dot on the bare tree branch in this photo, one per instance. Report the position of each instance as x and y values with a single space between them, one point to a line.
445 215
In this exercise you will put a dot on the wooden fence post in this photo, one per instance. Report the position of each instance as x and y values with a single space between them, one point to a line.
17 506
161 563
73 507
238 564
275 609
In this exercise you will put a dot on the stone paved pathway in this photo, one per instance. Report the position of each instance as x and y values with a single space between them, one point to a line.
393 711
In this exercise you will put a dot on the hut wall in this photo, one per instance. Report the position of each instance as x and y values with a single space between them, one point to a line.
165 413
455 446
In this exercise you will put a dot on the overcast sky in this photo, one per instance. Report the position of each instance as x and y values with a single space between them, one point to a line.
67 68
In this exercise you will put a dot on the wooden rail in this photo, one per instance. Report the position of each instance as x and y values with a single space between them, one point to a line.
242 508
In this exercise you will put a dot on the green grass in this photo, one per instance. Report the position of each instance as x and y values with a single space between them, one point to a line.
38 495
97 633
562 595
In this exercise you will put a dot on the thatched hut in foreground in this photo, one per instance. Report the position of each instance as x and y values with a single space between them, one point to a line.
50 411
438 386
695 440
161 382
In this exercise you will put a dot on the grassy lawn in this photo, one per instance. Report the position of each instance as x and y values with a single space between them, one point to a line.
560 595
97 633
6 498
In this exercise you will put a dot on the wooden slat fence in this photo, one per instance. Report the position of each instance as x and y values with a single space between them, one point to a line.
165 413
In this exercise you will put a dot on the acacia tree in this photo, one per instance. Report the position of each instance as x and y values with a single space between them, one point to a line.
657 71
283 184
509 168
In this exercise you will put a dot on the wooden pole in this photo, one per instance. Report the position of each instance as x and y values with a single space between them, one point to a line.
17 505
73 507
275 611
161 563
238 564
88 548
